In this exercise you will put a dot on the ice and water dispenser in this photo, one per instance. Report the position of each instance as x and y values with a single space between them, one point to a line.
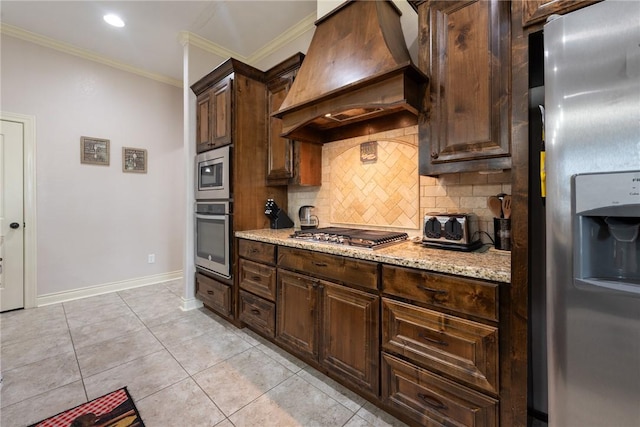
606 243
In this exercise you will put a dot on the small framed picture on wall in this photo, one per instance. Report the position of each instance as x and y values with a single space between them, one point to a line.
134 160
94 151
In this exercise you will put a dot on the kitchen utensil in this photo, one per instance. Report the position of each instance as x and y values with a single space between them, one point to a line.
495 206
506 207
307 219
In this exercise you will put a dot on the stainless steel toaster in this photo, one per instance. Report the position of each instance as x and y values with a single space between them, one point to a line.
458 231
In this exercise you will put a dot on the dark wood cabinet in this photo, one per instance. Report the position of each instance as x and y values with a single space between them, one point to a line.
213 116
214 294
465 49
349 335
537 11
297 311
257 312
290 162
431 400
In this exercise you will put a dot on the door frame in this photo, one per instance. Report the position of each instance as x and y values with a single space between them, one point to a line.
29 171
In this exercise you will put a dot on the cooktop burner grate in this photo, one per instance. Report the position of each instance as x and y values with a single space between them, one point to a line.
371 239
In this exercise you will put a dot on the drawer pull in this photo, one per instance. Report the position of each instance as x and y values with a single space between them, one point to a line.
210 292
435 291
255 311
320 264
432 401
433 340
254 250
256 278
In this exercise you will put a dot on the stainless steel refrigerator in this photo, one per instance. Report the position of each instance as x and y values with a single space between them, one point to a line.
592 129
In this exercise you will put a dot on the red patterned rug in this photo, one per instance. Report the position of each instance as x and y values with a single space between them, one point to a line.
115 409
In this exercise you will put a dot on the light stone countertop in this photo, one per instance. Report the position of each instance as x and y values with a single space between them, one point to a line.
491 265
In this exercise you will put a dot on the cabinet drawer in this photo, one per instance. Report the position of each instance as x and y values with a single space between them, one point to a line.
432 400
257 251
258 313
258 278
214 294
460 348
341 269
468 296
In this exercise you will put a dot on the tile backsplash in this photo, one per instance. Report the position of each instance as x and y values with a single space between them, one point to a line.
389 194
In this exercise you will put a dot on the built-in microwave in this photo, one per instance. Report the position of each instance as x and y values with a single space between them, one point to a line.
213 237
213 174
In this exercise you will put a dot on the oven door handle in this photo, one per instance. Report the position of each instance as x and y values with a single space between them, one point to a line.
217 216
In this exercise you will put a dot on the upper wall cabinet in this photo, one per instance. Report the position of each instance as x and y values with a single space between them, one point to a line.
537 11
465 49
289 162
213 118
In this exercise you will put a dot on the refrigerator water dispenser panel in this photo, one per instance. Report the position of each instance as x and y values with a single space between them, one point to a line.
607 227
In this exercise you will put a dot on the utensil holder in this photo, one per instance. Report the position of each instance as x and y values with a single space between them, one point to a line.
502 233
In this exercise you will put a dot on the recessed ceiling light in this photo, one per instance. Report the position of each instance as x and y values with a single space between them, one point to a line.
114 20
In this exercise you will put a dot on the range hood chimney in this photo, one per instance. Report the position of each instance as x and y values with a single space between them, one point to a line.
357 77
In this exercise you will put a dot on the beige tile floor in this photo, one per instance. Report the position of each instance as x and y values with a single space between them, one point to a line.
181 368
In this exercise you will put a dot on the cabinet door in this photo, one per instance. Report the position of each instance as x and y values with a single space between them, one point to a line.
280 167
214 294
203 120
297 313
350 321
468 58
536 11
221 115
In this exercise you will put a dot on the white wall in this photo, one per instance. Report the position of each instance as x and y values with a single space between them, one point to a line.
96 224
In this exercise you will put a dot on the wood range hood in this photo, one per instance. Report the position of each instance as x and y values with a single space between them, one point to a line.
357 77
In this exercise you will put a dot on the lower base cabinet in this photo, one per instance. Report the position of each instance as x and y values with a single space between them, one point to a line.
432 400
214 294
258 312
331 324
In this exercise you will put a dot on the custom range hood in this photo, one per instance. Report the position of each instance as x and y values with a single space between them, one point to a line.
357 77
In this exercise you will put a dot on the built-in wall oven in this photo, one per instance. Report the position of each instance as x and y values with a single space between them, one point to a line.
213 236
213 174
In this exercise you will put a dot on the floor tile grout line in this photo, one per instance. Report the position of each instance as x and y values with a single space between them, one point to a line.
75 353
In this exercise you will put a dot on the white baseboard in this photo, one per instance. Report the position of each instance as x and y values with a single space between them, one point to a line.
190 304
105 288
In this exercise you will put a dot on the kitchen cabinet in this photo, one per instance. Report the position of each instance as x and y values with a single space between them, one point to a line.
213 116
464 47
331 324
231 108
214 294
257 285
289 162
537 11
440 347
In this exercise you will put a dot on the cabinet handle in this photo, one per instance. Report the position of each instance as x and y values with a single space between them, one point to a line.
320 264
255 311
256 278
432 401
434 155
433 340
210 292
435 291
254 250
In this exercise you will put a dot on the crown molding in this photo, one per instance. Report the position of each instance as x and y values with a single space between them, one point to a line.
306 24
19 33
186 37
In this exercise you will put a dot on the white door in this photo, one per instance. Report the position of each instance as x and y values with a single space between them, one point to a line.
11 215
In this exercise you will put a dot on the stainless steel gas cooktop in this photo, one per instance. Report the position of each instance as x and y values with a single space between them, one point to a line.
369 239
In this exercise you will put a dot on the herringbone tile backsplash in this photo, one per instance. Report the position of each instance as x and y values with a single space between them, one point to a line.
389 194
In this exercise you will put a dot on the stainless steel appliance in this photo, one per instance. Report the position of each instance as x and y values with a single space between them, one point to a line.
456 231
213 174
307 219
213 237
368 239
592 130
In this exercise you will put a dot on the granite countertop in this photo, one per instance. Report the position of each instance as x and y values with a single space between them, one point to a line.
491 265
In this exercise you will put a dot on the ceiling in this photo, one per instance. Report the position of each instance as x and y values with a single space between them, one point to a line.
150 39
